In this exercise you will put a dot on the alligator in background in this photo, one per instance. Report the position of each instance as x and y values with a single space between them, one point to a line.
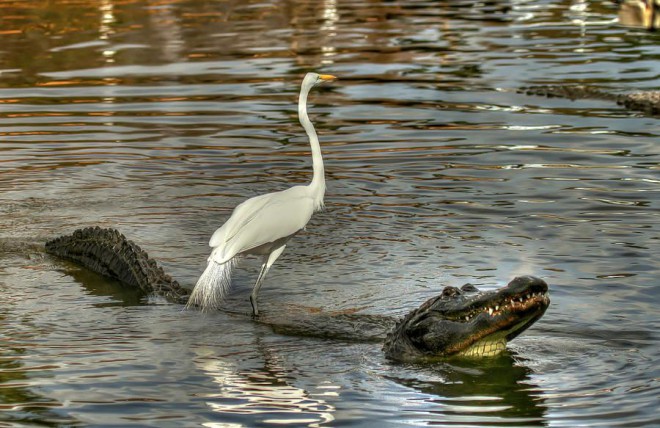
647 102
461 321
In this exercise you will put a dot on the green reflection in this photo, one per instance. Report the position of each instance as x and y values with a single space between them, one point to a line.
494 391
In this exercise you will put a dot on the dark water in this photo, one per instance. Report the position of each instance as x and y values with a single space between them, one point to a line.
158 117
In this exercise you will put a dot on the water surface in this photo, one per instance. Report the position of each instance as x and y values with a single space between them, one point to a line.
157 118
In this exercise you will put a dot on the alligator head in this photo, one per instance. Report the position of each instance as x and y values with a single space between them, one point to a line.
464 321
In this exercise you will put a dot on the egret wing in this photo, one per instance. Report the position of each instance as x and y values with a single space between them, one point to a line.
241 215
278 215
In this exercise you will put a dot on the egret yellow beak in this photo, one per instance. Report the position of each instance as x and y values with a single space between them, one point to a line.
327 77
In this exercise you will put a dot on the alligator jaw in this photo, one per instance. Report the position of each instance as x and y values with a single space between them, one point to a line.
494 343
500 322
467 322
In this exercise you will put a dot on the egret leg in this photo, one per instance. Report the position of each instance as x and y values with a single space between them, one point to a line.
260 279
257 286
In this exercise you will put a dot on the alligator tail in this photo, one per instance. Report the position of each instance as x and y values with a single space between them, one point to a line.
108 252
212 285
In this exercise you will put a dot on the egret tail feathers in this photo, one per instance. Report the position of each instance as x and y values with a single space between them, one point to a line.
212 285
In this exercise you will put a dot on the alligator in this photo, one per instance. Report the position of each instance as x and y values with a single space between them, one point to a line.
458 322
647 102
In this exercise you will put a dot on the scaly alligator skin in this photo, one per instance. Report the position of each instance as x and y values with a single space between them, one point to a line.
108 252
461 321
646 101
468 322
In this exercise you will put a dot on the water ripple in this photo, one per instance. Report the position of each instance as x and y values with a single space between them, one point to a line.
158 119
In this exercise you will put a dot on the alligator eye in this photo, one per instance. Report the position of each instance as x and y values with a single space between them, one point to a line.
469 288
450 291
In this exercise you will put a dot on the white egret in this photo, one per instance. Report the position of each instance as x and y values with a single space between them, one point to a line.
262 225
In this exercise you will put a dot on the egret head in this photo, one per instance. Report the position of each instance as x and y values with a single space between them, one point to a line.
313 79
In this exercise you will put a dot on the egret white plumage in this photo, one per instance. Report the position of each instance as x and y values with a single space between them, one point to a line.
262 225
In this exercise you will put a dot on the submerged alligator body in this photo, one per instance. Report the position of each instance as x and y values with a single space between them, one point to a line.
647 102
461 321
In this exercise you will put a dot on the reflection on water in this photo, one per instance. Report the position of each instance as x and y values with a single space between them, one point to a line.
264 394
640 13
159 117
19 403
488 390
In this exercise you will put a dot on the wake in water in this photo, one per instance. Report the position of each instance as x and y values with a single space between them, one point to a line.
212 285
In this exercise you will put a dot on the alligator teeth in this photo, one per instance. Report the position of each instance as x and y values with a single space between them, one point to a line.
528 296
497 307
467 318
490 311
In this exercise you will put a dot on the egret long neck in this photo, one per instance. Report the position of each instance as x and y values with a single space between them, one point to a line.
317 185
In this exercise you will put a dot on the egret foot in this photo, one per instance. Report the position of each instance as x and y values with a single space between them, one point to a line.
255 309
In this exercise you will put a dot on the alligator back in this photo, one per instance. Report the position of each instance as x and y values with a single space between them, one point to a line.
571 92
644 101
